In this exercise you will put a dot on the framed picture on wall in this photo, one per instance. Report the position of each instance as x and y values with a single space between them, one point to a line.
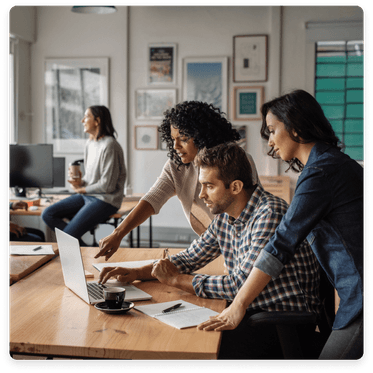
246 103
250 58
72 85
162 63
206 79
146 137
152 103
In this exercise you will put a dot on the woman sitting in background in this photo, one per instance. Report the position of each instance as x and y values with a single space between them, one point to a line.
186 128
18 233
327 210
100 191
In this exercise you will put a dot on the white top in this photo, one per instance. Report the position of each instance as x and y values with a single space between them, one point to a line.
105 171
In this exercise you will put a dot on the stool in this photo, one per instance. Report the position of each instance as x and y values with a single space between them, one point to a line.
118 218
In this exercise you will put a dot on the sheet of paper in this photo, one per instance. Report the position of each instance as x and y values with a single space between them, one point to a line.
183 317
181 320
31 250
133 264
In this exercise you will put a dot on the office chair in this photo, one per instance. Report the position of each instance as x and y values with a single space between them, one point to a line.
289 325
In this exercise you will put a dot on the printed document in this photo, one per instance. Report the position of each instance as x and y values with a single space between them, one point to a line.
186 316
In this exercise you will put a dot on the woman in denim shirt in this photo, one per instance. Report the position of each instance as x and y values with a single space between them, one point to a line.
327 209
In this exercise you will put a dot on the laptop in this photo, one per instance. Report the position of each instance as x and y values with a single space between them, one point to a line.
74 275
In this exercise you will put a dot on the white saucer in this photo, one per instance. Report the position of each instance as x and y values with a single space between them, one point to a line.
126 306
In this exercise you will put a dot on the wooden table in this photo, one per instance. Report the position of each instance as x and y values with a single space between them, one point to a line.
128 203
22 265
47 319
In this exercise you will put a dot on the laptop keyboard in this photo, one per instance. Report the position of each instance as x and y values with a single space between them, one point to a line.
95 290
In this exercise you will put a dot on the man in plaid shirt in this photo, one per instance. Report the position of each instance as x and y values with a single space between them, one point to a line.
246 218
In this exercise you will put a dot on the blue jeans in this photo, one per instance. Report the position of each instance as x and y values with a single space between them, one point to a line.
84 213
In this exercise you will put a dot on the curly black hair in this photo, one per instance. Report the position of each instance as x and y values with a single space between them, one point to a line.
200 121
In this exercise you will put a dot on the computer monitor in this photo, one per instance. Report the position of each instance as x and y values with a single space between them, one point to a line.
59 179
31 166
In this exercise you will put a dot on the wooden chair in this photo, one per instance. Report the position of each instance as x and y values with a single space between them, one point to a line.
277 185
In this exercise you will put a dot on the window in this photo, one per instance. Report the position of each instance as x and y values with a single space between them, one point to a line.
339 89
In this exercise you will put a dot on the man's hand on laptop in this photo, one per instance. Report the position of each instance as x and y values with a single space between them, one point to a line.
121 274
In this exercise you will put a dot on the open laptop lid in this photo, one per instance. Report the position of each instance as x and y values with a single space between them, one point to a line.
72 264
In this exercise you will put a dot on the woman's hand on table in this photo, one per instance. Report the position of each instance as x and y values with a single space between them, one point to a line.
109 245
229 319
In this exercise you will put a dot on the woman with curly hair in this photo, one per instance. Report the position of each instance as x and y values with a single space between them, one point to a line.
186 128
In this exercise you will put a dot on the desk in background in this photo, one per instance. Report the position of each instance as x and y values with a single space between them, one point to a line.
22 265
128 204
47 319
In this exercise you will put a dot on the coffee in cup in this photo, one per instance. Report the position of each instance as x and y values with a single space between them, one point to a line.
75 170
114 297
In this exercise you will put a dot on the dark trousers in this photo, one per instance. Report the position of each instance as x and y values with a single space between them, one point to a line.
346 343
32 235
258 342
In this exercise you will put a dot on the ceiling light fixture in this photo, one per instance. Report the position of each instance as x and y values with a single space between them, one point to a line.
94 9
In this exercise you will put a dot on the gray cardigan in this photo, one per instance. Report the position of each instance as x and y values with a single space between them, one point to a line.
105 171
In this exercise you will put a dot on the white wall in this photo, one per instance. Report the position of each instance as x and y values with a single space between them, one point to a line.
22 25
22 22
198 32
62 33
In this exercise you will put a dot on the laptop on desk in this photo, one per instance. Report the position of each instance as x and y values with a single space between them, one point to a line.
74 275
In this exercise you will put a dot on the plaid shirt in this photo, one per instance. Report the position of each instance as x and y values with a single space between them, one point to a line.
240 242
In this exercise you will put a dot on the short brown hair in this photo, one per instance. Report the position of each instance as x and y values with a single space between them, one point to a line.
230 160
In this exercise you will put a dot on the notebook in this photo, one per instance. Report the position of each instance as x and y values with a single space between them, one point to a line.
31 250
186 316
74 274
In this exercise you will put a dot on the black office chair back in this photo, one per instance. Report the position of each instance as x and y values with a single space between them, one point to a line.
291 326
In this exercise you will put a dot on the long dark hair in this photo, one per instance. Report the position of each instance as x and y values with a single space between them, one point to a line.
302 114
202 122
106 127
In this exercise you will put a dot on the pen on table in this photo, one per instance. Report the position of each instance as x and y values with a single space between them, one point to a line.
172 308
37 248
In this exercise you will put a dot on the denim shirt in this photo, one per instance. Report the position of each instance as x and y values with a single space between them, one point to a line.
327 209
